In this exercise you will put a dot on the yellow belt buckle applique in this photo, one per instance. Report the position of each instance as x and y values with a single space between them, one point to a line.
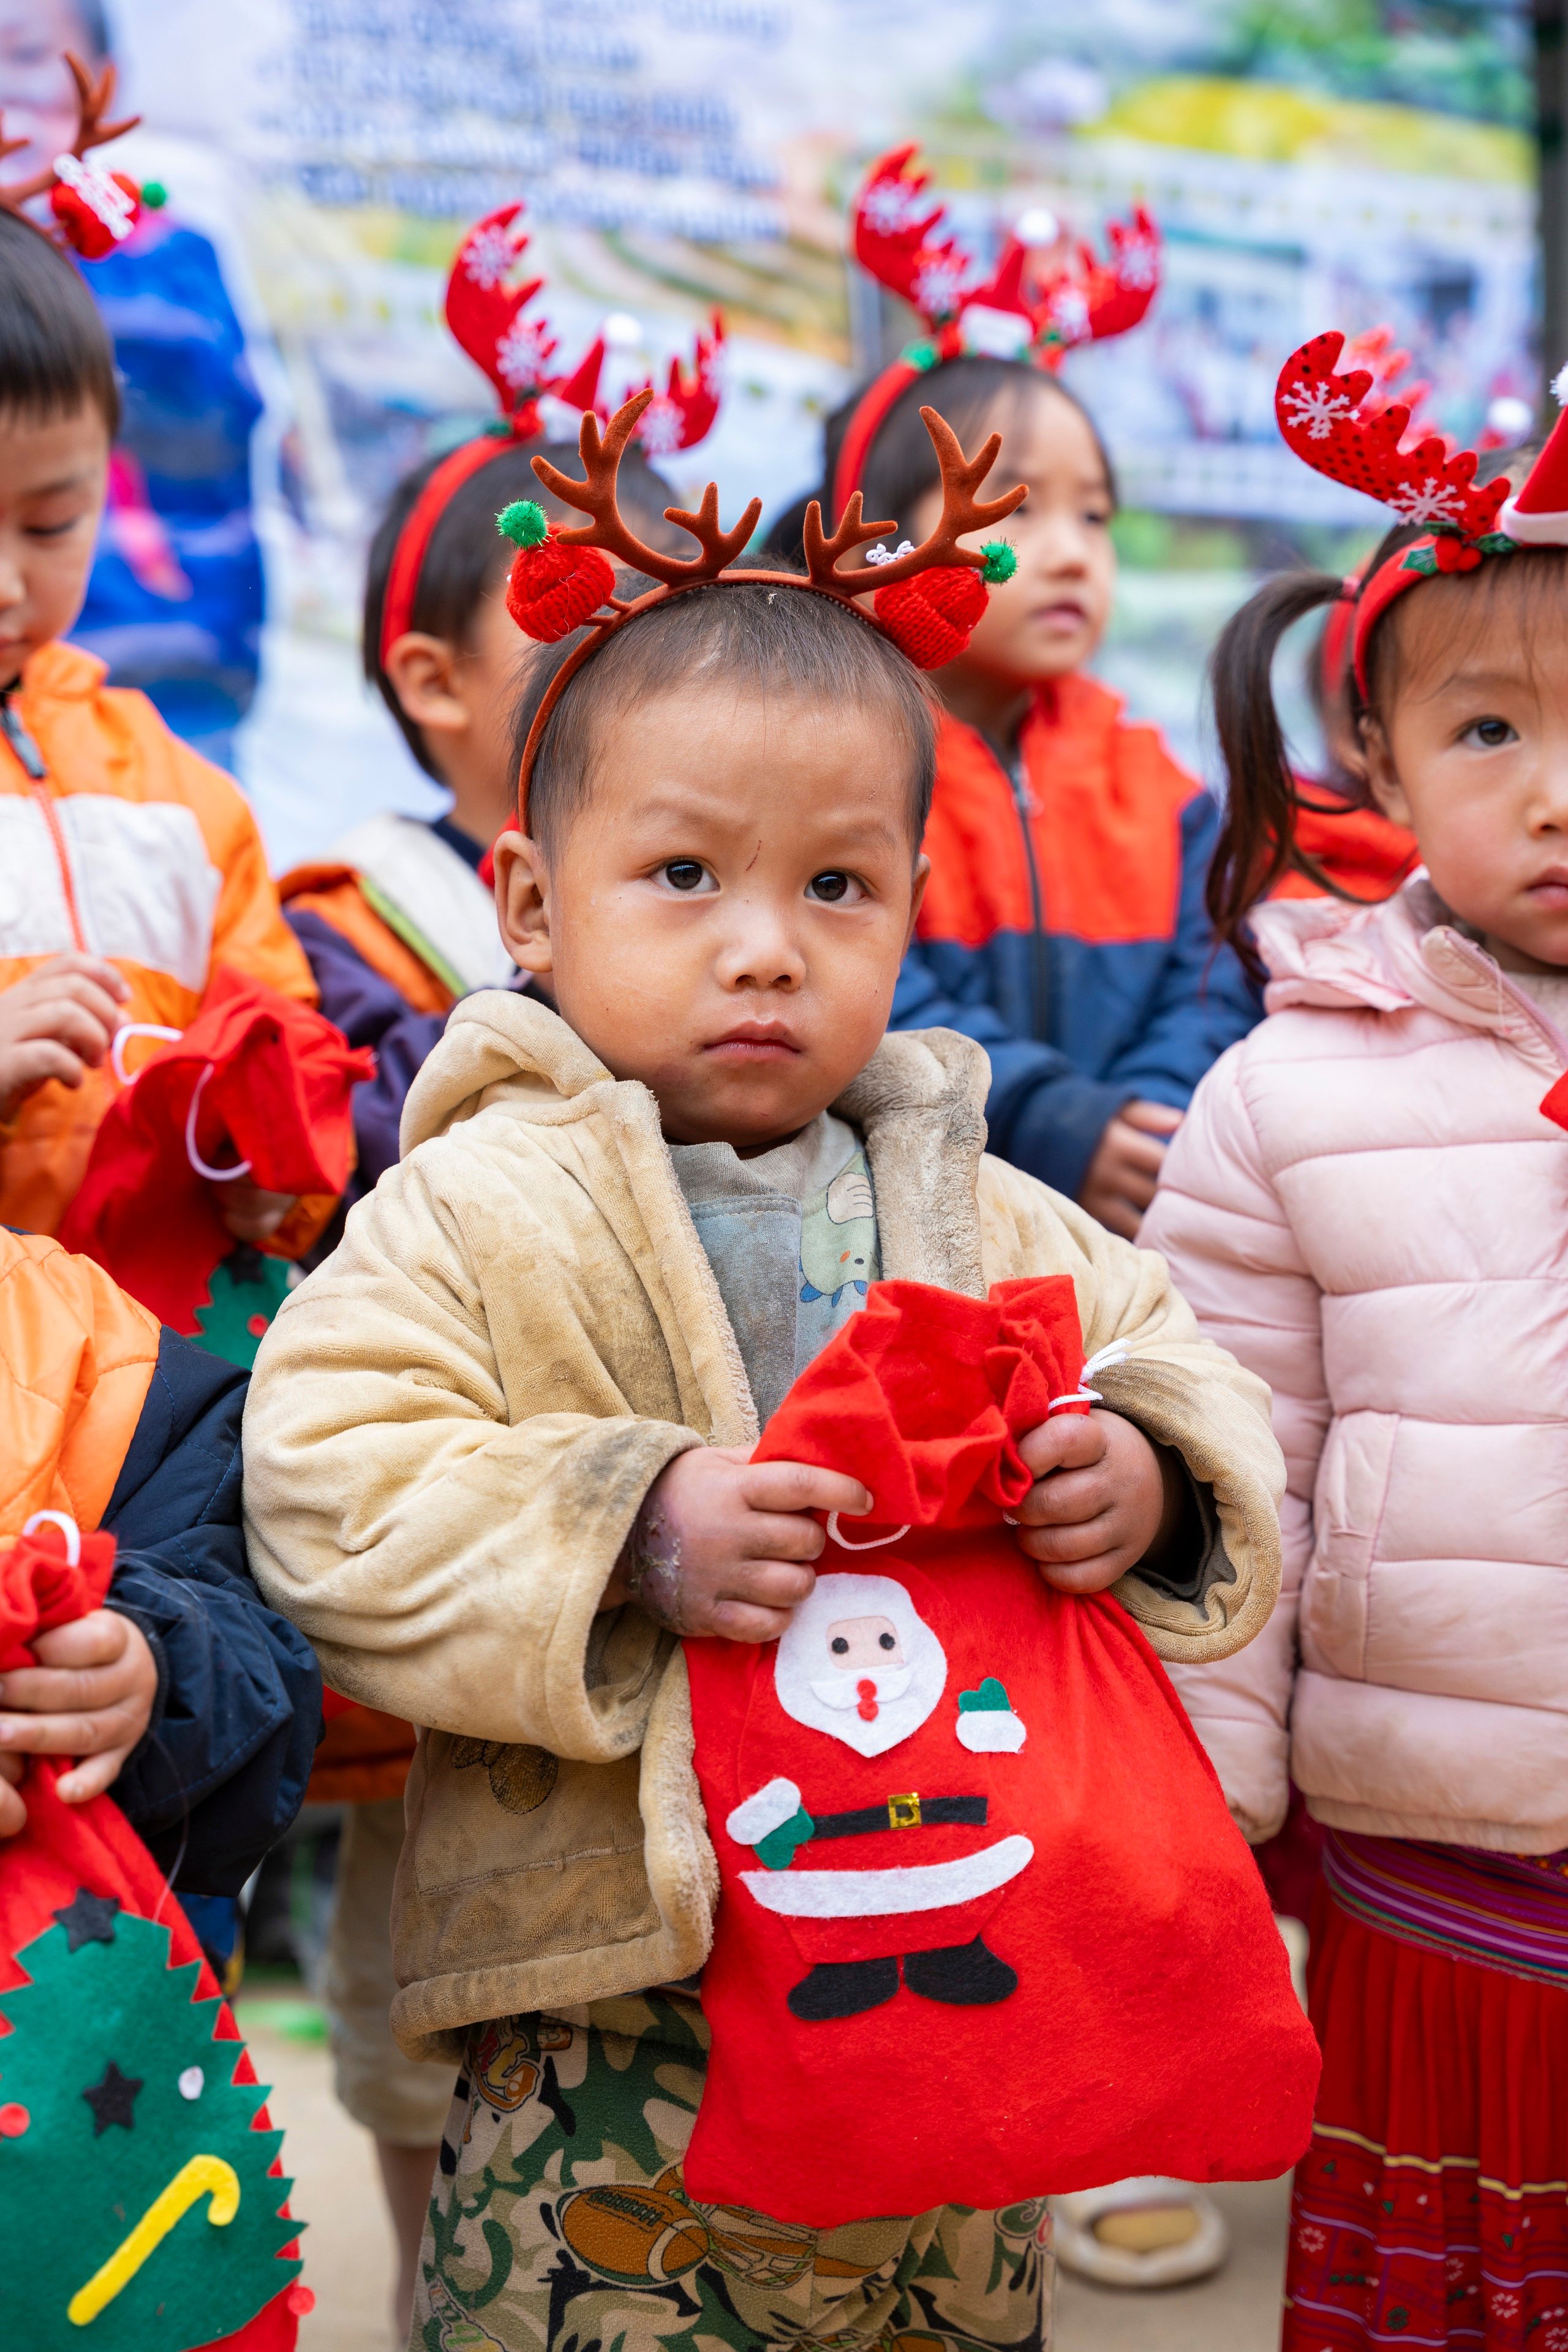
904 1812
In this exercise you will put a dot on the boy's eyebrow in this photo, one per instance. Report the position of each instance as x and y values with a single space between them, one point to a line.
676 807
1466 679
67 482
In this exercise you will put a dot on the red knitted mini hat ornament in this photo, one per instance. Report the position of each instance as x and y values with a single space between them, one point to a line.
1330 423
1044 295
551 590
93 210
926 598
486 304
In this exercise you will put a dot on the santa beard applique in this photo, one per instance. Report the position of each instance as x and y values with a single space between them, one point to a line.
986 1930
860 1666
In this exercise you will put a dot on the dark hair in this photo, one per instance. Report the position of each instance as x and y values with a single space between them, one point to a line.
753 635
466 555
900 466
1257 844
55 352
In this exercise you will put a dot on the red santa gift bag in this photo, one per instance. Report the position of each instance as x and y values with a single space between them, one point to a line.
141 2178
986 1931
257 1086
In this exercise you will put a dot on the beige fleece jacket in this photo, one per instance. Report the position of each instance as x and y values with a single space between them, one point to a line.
451 1425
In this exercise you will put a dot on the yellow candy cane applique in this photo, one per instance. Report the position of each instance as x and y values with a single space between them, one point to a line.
195 2180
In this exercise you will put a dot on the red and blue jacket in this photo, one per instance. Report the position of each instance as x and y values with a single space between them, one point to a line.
1064 927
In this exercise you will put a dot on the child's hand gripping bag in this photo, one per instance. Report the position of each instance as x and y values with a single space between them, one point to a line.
140 2180
257 1086
985 1931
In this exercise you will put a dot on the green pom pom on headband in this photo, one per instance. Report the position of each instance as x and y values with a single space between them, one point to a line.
523 522
1001 560
154 196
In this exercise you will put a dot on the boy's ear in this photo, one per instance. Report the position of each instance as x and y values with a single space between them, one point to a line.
922 875
1382 775
523 903
422 672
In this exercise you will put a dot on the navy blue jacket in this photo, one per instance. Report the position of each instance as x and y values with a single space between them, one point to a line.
221 1770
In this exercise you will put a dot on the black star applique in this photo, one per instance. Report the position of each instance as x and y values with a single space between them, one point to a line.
89 1918
113 2100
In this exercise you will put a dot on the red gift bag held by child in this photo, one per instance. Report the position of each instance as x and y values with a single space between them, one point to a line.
986 1931
257 1086
140 2180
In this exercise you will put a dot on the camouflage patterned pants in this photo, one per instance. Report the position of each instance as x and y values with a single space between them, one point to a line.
559 2219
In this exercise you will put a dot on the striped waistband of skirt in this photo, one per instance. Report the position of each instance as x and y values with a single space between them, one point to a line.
1498 1910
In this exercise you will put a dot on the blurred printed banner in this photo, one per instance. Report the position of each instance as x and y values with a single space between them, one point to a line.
1311 161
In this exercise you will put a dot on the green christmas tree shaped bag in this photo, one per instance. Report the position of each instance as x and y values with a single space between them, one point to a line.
140 2180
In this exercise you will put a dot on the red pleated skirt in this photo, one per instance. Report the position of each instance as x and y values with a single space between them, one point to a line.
1432 2206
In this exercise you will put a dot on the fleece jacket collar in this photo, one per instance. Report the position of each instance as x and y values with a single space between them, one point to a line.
918 1104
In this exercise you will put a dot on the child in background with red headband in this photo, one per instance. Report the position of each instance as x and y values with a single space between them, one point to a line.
1368 1201
499 1452
1064 926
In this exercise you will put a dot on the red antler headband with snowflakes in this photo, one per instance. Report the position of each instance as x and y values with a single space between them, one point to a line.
485 310
1328 420
927 599
1028 309
93 210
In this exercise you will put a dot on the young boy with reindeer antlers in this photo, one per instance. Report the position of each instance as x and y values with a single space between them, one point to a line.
398 924
499 1447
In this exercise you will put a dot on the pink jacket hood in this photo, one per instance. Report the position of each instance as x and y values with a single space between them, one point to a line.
1366 1205
1390 958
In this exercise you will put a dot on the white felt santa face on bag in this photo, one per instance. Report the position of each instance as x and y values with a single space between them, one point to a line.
859 1663
861 1668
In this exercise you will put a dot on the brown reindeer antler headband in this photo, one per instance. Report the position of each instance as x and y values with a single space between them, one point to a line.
927 599
93 210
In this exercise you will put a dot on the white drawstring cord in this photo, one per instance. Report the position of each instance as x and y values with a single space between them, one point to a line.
1083 1393
212 1175
876 1542
137 1029
68 1528
117 1058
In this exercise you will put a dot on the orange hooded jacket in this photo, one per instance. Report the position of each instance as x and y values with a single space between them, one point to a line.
79 1354
117 840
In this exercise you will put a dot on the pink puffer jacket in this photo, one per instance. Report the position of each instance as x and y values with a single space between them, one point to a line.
1366 1205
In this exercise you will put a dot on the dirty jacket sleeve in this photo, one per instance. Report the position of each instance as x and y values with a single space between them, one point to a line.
446 1545
1220 1223
1183 1391
221 1770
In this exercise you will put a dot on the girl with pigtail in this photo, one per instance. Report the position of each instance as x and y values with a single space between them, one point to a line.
1368 1202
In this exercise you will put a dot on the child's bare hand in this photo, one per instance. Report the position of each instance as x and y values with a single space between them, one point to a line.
13 1812
1126 1165
250 1213
89 1695
56 1023
1103 1498
722 1544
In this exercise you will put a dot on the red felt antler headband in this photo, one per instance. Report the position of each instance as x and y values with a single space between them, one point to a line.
93 210
1329 421
486 309
1031 308
927 599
